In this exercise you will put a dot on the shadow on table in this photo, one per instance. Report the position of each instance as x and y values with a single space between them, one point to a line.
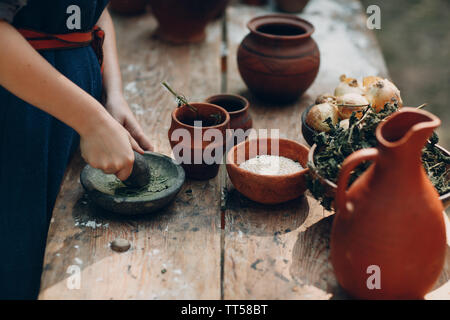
252 218
310 259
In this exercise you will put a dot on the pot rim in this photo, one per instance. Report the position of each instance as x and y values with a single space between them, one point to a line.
227 95
281 18
230 161
199 104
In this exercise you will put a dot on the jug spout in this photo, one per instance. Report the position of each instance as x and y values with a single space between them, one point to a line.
408 130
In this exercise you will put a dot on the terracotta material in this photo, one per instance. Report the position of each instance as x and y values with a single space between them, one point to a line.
182 118
330 187
267 189
278 59
128 7
292 6
307 132
184 21
255 2
222 9
391 216
237 107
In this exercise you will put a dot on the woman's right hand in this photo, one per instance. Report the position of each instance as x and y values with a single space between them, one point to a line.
108 146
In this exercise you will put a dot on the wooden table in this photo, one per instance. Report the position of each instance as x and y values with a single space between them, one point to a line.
211 243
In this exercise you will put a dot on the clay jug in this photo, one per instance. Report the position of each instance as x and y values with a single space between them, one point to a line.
388 237
278 59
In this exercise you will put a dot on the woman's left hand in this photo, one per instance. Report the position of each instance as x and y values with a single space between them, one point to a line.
120 110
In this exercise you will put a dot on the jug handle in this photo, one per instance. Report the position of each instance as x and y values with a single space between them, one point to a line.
350 163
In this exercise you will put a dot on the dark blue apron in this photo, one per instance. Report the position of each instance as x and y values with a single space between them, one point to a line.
35 149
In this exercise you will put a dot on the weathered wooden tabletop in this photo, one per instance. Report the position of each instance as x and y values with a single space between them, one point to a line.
205 245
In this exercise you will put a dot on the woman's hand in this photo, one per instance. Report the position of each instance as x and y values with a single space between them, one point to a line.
108 146
119 109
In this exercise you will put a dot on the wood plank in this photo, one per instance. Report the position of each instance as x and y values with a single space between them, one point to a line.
176 253
282 252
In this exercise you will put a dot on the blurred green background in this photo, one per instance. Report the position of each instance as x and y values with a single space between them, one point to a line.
415 40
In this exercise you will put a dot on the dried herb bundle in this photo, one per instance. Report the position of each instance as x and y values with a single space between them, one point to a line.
337 144
182 101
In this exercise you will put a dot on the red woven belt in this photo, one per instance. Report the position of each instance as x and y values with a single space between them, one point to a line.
44 41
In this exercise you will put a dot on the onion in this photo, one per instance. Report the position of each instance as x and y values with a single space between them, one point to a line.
368 81
325 97
319 113
350 102
381 92
348 85
344 124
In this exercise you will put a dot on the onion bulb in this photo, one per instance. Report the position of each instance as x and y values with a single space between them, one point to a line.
345 124
319 113
325 97
381 92
349 103
368 81
348 85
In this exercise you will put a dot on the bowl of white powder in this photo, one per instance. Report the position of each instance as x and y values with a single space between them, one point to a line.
268 171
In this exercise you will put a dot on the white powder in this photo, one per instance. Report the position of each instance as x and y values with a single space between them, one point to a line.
271 165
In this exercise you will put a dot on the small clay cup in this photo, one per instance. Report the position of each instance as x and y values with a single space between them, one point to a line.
128 7
237 107
292 6
268 189
182 118
278 59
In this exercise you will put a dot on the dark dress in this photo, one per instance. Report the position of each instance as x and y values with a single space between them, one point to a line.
35 147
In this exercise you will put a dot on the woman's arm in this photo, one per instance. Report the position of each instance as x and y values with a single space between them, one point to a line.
105 144
112 83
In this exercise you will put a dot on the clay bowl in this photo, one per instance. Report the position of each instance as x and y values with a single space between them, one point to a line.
267 189
128 7
102 189
237 107
183 118
330 187
292 6
307 132
184 21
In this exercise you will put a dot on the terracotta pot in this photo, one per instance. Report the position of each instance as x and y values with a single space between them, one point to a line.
222 9
292 6
391 216
267 189
182 118
128 7
184 21
255 2
237 107
279 60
